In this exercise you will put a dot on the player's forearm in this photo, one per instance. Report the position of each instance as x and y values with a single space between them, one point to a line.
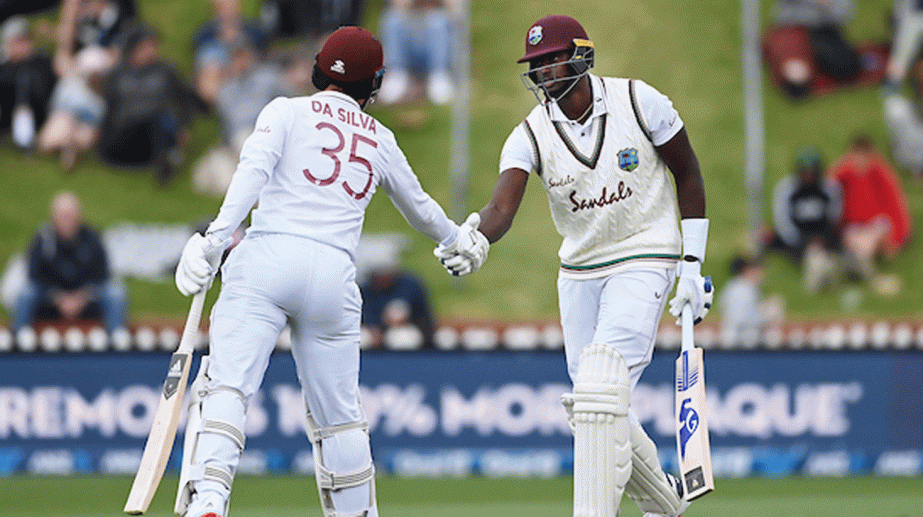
429 219
691 198
242 194
497 217
420 210
496 221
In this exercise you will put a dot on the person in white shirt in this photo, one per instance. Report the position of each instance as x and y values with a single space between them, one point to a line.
313 163
604 149
907 39
746 312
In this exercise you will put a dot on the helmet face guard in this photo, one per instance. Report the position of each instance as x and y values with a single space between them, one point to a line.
376 85
579 64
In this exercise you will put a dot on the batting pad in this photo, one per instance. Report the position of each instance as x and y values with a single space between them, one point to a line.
213 442
343 468
602 454
648 485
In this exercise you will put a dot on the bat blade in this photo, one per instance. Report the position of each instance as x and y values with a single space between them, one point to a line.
163 433
692 442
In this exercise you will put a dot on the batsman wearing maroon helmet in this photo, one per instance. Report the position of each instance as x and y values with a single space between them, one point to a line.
313 163
626 194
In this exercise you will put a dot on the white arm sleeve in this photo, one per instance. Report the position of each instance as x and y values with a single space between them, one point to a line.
419 209
258 159
517 151
661 118
836 199
782 211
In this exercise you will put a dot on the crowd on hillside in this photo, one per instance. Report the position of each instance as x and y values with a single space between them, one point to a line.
94 81
841 222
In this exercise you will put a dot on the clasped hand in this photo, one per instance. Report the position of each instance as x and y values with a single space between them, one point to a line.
469 250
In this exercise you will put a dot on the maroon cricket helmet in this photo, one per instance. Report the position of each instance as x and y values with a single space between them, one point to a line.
351 54
552 34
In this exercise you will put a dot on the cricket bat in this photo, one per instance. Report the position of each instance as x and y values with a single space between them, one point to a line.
692 444
163 431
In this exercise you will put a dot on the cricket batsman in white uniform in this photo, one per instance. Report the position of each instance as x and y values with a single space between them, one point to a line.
605 149
313 163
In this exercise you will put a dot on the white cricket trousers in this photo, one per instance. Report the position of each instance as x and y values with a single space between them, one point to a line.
622 310
271 280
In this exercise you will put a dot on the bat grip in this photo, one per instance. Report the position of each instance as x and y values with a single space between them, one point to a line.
688 342
191 330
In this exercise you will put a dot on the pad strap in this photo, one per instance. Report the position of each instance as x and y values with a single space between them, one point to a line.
213 473
194 473
332 481
226 429
317 434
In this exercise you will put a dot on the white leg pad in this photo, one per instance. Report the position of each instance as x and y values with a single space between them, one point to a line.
648 486
213 441
602 454
188 473
343 469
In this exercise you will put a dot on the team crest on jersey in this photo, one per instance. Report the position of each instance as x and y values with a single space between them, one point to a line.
628 159
535 35
339 67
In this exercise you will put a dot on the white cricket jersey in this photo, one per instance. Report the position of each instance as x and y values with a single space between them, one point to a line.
611 195
314 163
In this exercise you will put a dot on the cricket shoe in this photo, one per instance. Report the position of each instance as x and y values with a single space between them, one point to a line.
677 485
206 504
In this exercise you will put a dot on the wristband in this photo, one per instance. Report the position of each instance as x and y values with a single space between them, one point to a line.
695 237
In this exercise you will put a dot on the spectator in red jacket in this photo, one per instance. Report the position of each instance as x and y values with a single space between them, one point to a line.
876 218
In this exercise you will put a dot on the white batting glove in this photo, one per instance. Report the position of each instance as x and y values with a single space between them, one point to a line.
199 263
469 251
693 289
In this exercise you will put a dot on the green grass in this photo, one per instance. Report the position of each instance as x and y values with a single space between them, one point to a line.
689 49
283 496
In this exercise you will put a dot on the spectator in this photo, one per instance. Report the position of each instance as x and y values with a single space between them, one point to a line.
907 36
26 81
77 107
746 312
90 23
10 8
812 40
250 86
148 106
213 44
904 119
309 19
393 298
69 272
876 217
806 211
417 35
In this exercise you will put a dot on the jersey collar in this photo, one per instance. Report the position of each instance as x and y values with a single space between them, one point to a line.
338 95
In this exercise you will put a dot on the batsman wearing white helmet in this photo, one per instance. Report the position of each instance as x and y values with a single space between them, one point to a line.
606 149
313 163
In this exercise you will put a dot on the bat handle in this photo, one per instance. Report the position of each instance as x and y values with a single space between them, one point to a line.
688 342
191 330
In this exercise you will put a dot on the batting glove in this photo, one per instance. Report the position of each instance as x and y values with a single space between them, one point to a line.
199 263
693 289
469 250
